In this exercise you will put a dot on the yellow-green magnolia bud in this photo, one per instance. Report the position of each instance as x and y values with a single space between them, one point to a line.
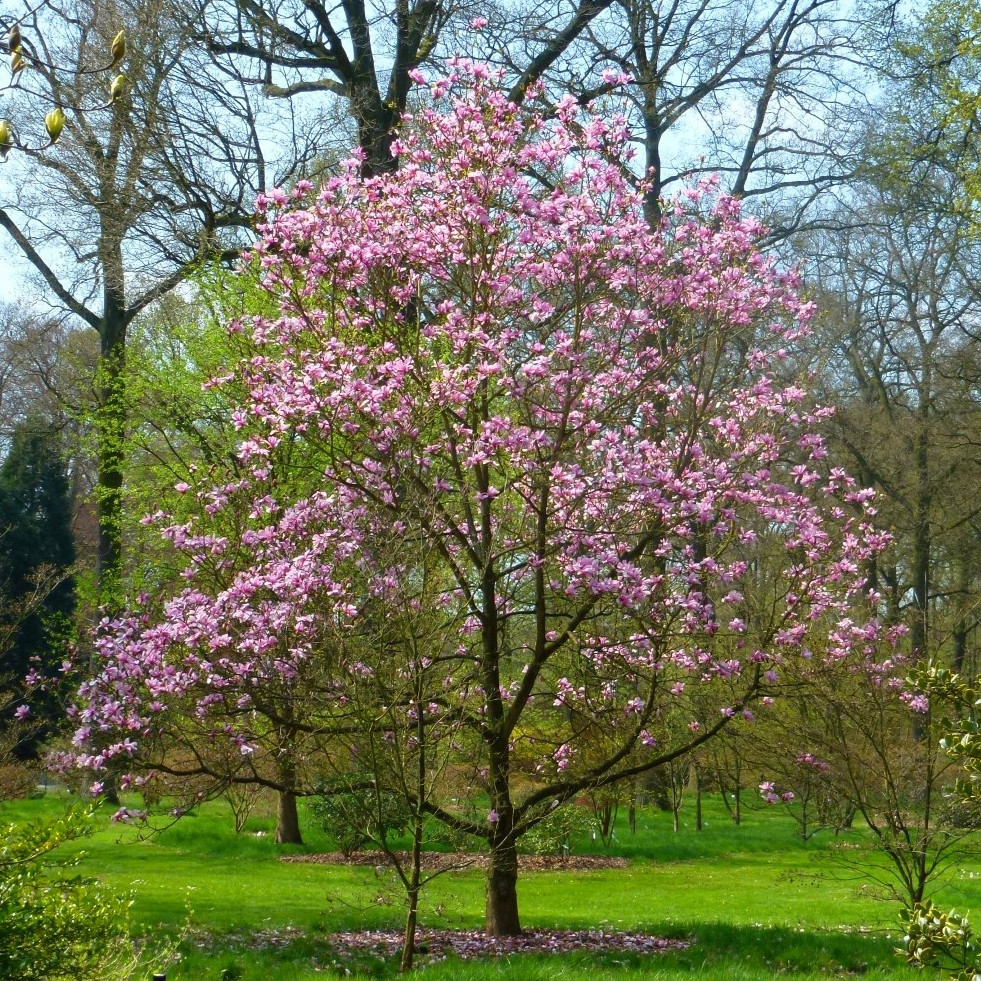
13 38
6 137
54 123
17 63
118 47
117 87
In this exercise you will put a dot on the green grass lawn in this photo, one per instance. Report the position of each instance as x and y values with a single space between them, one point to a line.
754 900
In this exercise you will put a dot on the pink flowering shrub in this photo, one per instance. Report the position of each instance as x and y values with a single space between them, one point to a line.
562 481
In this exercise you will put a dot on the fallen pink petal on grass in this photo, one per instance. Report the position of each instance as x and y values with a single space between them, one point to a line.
474 944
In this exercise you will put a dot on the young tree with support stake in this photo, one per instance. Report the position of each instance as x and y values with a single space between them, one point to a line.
493 358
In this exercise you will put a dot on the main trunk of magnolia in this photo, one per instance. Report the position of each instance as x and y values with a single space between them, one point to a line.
501 918
288 820
502 890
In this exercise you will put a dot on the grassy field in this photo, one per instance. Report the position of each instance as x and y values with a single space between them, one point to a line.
753 900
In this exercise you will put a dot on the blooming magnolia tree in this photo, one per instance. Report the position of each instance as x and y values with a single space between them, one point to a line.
560 479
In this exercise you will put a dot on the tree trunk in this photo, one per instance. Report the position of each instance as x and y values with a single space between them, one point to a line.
288 820
502 889
414 883
377 123
111 436
412 891
110 789
922 546
698 800
963 610
653 131
409 937
677 791
111 429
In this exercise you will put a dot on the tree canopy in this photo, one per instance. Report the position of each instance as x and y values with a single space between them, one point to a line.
558 469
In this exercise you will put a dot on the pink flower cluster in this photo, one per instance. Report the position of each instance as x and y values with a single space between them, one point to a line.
769 793
496 365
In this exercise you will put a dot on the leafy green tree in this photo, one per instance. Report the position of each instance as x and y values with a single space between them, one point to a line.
187 429
938 63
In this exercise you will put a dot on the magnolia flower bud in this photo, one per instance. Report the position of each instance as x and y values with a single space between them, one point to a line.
118 47
6 137
17 63
118 87
54 123
13 38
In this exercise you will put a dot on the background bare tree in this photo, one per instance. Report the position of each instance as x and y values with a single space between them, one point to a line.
362 52
897 283
763 94
133 197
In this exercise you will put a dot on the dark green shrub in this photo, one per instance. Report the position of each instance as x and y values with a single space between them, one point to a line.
356 812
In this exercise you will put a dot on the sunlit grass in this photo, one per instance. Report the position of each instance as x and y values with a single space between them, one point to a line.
754 900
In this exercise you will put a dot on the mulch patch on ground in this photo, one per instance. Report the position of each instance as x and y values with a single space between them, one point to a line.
444 861
435 945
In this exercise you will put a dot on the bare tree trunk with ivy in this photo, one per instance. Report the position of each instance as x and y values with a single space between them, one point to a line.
135 194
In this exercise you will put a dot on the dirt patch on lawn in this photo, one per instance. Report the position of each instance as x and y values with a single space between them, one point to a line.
445 861
436 945
351 946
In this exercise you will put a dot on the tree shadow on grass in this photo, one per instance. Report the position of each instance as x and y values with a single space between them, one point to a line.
726 951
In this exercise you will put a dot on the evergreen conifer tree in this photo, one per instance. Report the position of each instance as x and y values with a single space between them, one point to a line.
36 541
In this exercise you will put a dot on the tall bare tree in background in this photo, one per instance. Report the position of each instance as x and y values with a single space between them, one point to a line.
135 194
763 94
897 281
362 52
895 275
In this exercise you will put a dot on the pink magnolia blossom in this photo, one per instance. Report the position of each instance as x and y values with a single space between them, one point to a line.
501 371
